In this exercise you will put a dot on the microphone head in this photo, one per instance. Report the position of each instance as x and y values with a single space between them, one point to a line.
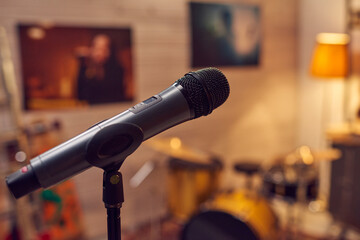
205 89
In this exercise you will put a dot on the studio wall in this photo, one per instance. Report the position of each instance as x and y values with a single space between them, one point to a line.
258 121
315 114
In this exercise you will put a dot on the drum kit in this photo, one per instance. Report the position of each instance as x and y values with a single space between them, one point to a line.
208 213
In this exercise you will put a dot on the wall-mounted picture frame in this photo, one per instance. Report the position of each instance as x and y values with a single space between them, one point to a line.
68 67
224 34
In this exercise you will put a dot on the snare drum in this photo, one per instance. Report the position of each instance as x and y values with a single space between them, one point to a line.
230 216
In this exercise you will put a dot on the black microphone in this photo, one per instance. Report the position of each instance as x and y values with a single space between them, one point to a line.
107 143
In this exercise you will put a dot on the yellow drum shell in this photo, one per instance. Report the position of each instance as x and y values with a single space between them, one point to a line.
249 208
189 185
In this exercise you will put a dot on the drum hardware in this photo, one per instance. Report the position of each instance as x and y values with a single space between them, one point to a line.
280 181
234 215
294 178
249 168
135 181
142 173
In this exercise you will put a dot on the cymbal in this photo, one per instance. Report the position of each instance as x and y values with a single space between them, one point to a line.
309 156
327 155
175 148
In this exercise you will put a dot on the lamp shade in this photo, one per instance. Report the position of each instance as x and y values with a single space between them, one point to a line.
330 57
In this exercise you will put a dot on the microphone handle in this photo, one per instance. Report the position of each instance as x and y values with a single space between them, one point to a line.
152 116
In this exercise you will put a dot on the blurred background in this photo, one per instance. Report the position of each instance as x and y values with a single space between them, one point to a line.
278 160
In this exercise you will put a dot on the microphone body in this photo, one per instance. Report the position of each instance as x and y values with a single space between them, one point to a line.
107 140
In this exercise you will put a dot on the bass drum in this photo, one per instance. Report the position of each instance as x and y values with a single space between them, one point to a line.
232 216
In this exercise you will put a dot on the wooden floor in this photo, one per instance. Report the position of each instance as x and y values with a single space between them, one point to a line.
168 229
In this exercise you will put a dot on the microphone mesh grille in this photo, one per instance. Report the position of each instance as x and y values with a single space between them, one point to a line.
211 81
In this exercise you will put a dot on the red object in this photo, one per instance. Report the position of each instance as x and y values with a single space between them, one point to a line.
24 169
44 236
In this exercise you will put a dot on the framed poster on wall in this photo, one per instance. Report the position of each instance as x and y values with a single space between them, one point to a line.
224 34
70 66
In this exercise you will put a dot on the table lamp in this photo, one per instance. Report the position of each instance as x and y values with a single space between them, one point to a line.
331 61
330 57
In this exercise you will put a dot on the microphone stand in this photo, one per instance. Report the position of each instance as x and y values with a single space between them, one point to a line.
113 198
108 149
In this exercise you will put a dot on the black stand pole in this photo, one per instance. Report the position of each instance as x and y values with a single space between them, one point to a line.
108 149
113 198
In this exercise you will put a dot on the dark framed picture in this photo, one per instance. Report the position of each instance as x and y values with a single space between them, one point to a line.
224 35
68 67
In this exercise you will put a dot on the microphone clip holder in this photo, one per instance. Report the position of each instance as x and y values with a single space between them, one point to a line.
108 149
